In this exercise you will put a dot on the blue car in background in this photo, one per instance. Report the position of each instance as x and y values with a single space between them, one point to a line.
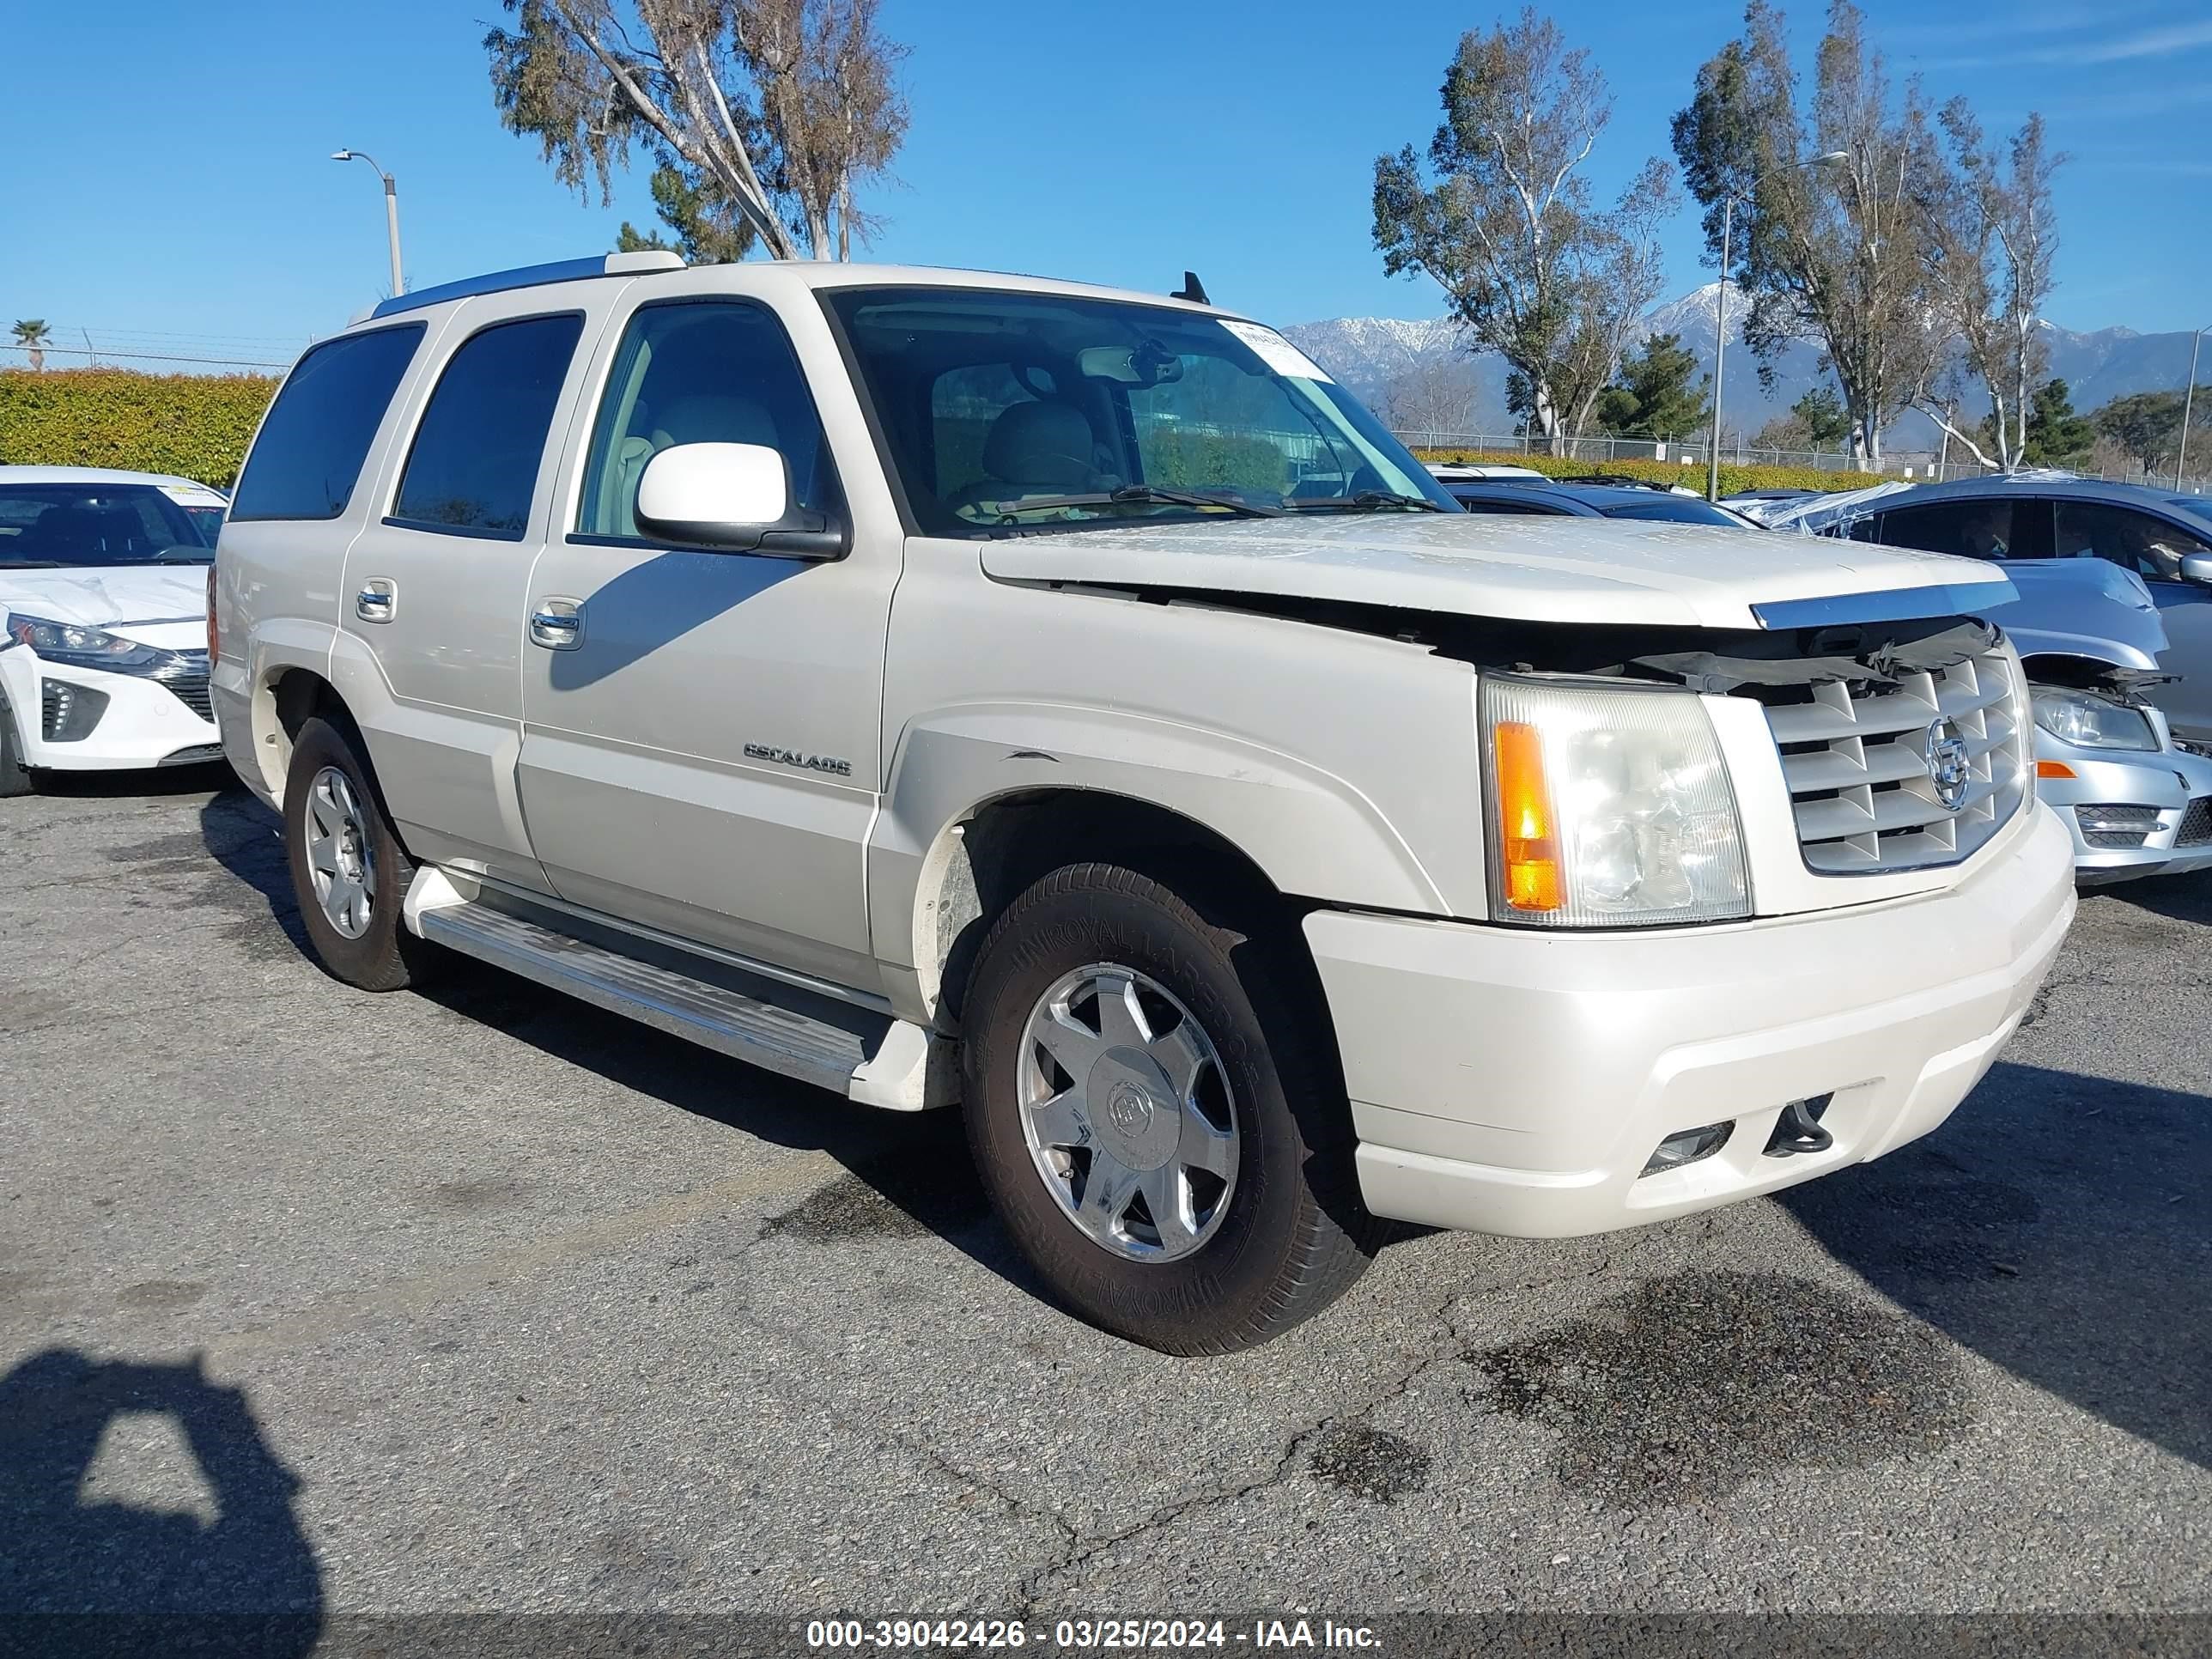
2163 538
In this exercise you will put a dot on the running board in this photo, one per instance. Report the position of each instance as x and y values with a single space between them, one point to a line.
866 1056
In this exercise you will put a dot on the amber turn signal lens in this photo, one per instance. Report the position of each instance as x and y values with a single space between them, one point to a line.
1529 847
2053 769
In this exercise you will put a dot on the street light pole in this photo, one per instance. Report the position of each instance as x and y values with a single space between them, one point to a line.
1834 158
1719 349
2187 398
391 213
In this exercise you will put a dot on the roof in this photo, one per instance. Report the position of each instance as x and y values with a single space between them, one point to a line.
82 475
808 273
2086 489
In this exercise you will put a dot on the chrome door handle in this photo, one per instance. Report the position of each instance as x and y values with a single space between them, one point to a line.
557 624
378 600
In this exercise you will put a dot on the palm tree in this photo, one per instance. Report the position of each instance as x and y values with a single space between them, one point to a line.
31 334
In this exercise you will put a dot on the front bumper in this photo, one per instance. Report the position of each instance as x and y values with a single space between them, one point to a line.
145 723
1516 1082
2155 791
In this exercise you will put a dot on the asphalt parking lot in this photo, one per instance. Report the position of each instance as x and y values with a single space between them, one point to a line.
481 1299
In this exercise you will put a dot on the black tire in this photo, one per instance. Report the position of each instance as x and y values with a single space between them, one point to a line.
1293 1235
15 777
386 956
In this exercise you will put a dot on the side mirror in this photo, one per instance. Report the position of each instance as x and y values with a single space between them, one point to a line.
732 497
2196 568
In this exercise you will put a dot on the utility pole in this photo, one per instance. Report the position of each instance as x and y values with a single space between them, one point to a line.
391 213
2187 398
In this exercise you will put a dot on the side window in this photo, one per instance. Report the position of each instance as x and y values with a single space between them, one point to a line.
700 372
2150 547
474 465
317 433
1974 529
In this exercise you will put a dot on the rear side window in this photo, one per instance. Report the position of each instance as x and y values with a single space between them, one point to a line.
317 433
1977 528
474 466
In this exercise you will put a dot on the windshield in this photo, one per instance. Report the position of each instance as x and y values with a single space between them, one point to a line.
1678 509
45 524
1003 410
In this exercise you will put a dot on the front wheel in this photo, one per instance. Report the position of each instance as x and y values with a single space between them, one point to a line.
15 777
1155 1120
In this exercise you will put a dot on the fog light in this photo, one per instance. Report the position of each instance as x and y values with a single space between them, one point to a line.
68 712
1687 1147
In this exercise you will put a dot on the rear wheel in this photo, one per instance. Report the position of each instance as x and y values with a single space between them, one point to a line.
349 873
1167 1142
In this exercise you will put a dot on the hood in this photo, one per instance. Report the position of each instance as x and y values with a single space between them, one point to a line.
161 605
1555 570
2083 608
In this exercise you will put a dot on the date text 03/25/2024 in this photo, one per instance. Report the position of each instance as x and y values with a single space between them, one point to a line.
1086 1634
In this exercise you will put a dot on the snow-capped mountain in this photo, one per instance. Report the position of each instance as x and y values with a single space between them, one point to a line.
1420 362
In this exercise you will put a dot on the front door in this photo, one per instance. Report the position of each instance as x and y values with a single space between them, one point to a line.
701 748
2154 548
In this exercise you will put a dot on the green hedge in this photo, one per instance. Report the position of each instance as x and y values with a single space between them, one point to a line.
1732 477
197 426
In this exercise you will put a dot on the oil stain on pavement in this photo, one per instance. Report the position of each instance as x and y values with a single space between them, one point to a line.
1689 1385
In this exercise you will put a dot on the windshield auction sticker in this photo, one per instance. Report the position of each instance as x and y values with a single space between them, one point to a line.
1276 352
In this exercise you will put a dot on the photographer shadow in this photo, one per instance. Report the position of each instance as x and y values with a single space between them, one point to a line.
83 1574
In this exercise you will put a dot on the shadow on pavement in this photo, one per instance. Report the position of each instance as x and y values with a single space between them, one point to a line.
908 1174
2184 898
158 781
85 1572
2059 1226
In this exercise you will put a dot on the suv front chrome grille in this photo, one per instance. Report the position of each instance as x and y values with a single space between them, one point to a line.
1868 772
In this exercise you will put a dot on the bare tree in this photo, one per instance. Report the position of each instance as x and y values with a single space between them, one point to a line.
1438 395
1507 229
1829 254
1988 237
769 109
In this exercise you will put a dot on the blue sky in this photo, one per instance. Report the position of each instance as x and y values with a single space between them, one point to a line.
173 191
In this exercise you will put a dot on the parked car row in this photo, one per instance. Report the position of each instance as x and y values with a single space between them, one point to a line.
2114 624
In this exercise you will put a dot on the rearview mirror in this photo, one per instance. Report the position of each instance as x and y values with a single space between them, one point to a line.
723 496
2198 567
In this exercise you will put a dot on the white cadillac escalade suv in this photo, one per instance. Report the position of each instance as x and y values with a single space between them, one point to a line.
956 688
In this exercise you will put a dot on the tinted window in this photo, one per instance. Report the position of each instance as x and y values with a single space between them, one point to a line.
1979 528
316 435
2135 541
1510 509
96 524
1675 509
474 466
700 372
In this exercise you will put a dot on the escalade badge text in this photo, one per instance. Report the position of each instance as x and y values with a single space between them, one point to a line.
829 763
1949 768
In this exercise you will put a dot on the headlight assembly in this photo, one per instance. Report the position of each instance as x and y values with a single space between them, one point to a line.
67 645
1609 807
2089 721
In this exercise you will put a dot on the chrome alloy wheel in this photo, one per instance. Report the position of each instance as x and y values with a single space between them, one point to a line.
1127 1113
339 862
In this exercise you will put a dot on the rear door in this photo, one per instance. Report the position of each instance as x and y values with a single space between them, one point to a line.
428 650
701 749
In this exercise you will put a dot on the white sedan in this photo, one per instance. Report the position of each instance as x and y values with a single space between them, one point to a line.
103 620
